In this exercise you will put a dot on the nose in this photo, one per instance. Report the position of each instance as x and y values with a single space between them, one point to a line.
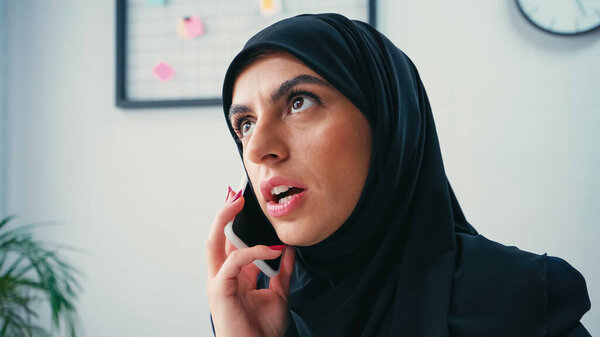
267 144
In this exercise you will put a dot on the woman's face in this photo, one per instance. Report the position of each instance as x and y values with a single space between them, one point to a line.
306 147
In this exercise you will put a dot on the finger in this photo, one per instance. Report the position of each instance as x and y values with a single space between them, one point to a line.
229 247
215 242
249 273
242 257
230 193
248 278
281 282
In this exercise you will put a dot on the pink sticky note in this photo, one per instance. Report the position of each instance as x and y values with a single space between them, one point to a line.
163 71
193 26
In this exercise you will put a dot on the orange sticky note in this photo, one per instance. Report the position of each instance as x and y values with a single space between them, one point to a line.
268 4
181 31
270 7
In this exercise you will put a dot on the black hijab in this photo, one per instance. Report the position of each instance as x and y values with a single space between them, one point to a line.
406 262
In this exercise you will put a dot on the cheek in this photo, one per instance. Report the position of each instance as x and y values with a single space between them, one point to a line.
253 173
323 153
340 152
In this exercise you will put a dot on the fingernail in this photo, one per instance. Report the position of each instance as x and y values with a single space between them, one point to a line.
236 197
277 247
228 192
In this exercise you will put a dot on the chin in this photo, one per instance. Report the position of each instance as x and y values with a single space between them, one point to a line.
292 236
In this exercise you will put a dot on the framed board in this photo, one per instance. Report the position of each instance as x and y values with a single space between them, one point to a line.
175 52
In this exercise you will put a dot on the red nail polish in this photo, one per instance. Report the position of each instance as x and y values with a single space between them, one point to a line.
236 197
277 247
228 191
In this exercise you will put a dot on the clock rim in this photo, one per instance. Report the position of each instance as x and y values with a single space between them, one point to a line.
587 31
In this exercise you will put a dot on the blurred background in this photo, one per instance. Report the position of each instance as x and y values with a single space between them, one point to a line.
517 111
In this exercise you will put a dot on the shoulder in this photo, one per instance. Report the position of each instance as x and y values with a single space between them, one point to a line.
513 292
567 298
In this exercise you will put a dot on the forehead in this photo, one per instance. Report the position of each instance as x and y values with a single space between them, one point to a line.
268 72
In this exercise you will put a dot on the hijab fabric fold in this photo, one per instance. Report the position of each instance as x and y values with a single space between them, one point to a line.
406 262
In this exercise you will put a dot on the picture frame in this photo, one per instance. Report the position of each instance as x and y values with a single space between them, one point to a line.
146 30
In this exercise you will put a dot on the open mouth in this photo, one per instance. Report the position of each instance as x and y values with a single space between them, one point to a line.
283 193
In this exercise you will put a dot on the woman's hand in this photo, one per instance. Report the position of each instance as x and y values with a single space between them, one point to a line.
237 307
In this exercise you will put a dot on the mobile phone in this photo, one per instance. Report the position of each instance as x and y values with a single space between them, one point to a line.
250 227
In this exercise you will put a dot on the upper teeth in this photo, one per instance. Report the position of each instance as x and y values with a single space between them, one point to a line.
280 189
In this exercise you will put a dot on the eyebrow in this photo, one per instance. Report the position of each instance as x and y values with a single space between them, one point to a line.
283 89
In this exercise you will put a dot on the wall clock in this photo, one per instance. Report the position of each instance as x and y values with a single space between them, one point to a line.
563 17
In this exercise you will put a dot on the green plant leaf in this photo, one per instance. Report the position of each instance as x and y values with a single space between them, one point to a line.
37 272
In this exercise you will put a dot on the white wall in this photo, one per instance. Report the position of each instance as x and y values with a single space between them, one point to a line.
136 189
516 110
2 111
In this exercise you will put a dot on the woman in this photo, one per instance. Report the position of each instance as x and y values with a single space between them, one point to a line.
377 244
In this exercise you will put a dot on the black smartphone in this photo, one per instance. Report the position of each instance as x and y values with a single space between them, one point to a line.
251 227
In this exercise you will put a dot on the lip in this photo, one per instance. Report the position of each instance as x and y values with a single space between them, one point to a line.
278 210
275 209
267 185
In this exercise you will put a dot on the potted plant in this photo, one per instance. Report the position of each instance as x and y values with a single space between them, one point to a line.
33 272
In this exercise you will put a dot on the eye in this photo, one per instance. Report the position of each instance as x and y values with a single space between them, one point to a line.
301 103
242 125
246 128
